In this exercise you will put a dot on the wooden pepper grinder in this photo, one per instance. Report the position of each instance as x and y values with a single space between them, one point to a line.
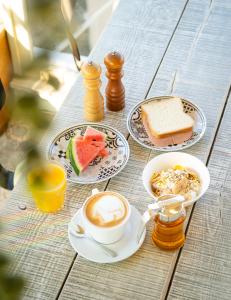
93 100
115 92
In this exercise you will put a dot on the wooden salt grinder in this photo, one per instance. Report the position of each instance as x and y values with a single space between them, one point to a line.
115 92
93 100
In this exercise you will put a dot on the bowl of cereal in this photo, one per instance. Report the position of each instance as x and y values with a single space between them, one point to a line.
176 173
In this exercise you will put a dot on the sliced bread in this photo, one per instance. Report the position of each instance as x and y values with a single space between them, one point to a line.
166 117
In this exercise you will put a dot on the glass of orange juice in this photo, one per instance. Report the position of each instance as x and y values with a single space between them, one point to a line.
47 184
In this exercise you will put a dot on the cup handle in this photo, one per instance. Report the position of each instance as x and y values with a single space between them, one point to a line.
94 192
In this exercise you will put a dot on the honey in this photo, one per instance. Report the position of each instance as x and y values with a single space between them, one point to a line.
168 230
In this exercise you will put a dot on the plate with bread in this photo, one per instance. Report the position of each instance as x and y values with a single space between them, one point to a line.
166 123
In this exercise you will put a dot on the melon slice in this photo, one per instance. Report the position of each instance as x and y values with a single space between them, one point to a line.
81 153
104 152
92 134
79 137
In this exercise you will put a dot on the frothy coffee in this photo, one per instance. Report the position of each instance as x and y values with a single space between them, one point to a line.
106 210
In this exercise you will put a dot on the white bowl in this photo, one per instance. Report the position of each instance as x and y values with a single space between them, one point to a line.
169 160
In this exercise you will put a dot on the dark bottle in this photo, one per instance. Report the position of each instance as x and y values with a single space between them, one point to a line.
4 113
6 177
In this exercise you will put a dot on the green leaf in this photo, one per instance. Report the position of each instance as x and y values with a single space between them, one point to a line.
4 261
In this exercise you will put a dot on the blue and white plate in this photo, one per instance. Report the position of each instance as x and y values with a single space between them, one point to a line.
100 169
139 134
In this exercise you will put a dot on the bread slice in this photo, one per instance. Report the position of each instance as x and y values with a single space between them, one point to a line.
166 117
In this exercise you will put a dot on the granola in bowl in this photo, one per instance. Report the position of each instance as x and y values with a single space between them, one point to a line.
176 180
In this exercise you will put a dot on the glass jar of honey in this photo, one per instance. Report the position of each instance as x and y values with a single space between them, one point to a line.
168 230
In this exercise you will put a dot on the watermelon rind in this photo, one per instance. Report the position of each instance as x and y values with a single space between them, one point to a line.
68 150
73 158
69 145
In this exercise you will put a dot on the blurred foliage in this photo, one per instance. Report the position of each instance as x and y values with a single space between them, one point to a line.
10 285
26 108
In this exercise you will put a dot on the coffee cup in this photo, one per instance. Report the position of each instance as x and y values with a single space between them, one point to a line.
105 216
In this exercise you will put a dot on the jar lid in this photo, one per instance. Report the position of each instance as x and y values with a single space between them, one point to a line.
171 213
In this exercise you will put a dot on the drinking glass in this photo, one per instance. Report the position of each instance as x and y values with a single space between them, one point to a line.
47 184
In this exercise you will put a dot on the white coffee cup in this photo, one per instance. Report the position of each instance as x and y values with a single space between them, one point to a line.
109 234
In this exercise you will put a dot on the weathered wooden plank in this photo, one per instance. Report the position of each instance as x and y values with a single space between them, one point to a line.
39 242
146 275
203 270
204 267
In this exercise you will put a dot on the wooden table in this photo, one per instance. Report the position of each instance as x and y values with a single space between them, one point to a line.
174 47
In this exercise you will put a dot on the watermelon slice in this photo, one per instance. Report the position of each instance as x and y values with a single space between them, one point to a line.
81 153
104 152
98 136
79 137
92 134
82 150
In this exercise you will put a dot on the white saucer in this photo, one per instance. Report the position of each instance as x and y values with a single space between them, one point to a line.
125 247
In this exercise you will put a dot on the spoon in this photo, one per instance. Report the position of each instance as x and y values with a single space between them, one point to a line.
78 231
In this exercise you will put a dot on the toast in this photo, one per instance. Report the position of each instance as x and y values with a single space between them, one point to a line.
166 122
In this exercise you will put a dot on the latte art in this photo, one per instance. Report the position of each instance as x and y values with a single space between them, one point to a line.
106 210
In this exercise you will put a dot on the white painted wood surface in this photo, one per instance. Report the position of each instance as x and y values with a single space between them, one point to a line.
195 63
39 242
127 282
204 267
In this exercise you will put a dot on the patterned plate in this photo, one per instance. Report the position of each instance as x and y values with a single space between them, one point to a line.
138 132
100 169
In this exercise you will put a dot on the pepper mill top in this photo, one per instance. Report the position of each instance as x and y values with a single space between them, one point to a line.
114 61
90 70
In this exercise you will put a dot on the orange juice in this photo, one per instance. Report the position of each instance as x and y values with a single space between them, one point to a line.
48 186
